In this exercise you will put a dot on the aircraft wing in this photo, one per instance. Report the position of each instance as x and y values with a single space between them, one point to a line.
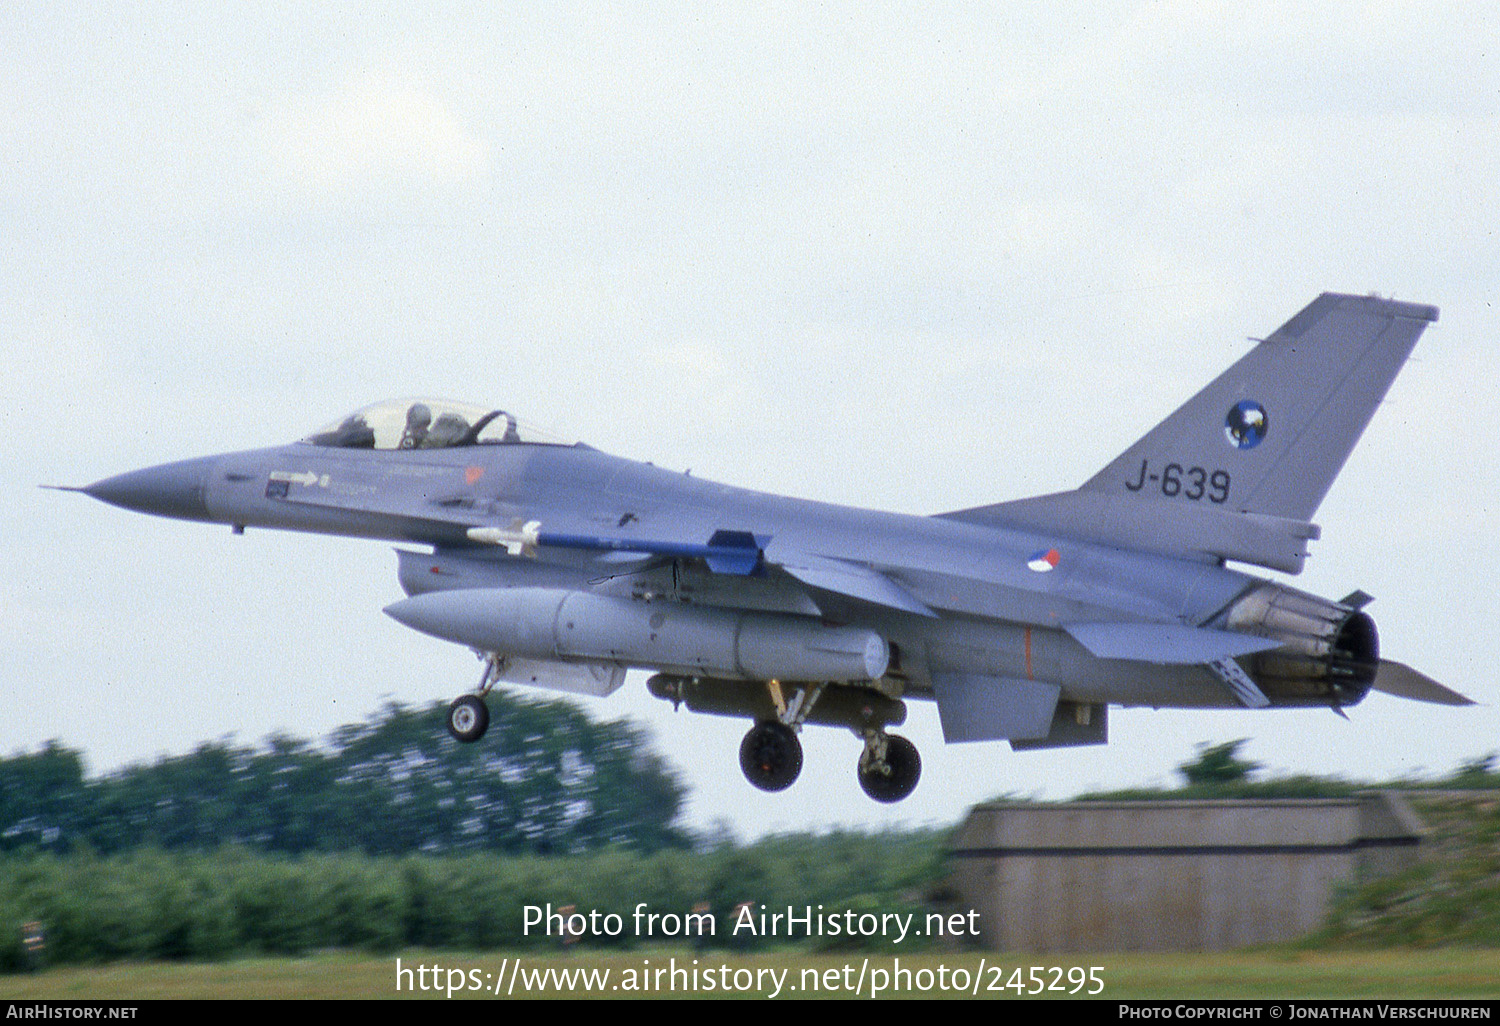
853 580
971 708
737 553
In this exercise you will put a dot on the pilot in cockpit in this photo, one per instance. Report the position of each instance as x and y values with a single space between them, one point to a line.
413 424
448 430
417 420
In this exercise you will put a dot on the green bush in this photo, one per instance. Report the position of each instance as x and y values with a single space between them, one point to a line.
154 904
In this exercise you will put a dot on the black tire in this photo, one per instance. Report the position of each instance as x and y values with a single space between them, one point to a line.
468 718
903 768
771 755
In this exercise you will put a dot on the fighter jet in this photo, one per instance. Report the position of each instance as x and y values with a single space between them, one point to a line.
563 567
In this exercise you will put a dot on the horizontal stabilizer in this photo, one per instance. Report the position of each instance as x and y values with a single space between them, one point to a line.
1165 642
977 708
1401 680
853 580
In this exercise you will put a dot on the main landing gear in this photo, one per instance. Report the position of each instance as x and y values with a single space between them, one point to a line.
771 755
889 767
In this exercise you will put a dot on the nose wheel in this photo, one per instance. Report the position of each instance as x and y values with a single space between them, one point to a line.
771 755
889 767
468 718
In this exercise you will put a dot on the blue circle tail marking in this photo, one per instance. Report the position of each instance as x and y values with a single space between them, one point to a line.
1245 426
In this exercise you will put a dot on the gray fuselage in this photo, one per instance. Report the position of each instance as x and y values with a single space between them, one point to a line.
997 615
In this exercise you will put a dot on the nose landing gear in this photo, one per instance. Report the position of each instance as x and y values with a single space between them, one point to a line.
468 716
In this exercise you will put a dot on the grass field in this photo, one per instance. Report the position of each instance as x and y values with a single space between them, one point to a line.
1270 973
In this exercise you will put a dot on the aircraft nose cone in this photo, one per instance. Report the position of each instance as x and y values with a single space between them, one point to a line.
170 490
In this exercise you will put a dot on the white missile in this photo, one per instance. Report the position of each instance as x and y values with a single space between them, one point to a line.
518 541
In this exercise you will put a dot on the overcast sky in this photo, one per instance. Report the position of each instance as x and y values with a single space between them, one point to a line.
906 257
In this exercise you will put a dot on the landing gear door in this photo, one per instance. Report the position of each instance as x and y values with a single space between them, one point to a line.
596 679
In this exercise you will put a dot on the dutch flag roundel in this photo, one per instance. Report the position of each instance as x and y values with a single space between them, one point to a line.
1044 560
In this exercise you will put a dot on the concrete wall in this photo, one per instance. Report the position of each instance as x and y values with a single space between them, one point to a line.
1180 875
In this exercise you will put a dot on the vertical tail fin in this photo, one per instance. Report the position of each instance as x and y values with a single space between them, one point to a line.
1269 435
1238 471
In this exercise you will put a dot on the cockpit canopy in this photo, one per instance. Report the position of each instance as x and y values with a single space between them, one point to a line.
426 424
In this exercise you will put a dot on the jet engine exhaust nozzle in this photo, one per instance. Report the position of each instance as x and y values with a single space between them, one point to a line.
1330 652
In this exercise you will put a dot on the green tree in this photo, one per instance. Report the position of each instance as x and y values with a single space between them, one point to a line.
1218 764
546 779
43 798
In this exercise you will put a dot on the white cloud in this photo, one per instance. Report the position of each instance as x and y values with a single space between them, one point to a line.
372 131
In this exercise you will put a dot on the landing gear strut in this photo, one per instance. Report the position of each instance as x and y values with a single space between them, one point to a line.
771 755
468 716
889 767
